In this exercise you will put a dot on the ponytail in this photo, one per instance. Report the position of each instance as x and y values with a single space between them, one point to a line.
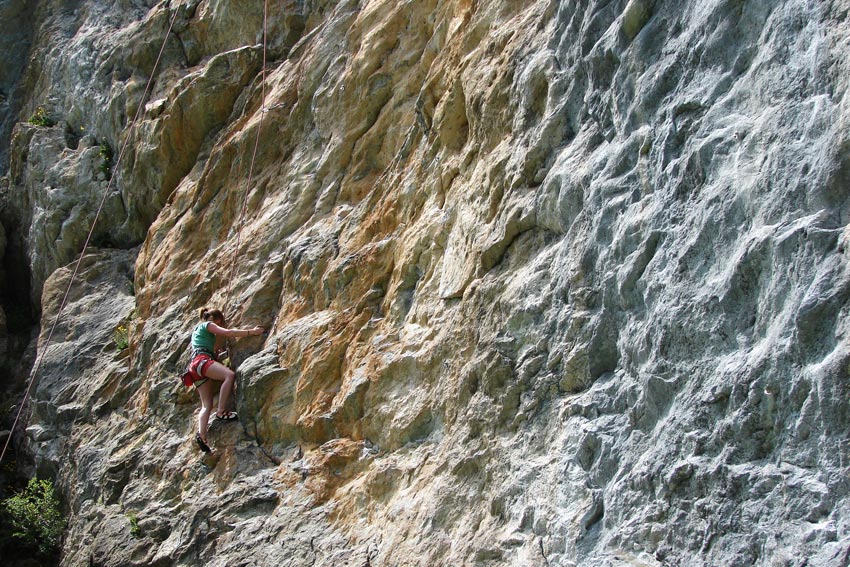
209 314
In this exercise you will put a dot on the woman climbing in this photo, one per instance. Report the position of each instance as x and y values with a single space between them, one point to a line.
208 342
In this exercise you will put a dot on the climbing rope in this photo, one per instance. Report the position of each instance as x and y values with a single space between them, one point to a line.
231 278
130 129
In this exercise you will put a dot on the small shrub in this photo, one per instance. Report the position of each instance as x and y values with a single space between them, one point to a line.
41 118
121 337
106 159
32 522
135 530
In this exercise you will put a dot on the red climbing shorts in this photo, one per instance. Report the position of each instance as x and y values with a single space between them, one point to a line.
197 367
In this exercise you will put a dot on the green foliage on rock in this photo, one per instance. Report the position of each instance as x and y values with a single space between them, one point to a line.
31 523
106 159
41 118
121 337
135 529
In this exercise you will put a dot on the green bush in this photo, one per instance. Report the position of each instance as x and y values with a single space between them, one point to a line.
135 529
106 159
41 118
31 523
121 337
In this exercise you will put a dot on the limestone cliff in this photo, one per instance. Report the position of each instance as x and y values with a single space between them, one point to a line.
546 282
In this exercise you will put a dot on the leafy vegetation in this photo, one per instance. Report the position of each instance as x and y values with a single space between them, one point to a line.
41 118
31 524
121 337
135 529
106 157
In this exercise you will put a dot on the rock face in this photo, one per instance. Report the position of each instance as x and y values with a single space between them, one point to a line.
17 32
545 283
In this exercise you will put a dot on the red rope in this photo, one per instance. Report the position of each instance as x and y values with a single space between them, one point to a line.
130 129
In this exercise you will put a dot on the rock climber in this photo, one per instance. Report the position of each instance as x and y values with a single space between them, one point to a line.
207 344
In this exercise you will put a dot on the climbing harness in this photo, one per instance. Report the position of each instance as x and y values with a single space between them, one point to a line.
194 375
62 305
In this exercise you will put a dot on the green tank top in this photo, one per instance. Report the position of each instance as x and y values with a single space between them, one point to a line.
202 339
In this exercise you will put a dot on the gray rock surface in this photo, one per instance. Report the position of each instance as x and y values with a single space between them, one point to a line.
89 71
546 283
16 24
4 342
